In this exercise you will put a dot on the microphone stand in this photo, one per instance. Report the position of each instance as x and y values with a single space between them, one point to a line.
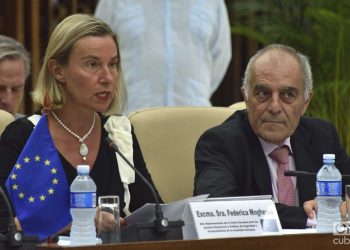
14 238
161 228
304 173
298 173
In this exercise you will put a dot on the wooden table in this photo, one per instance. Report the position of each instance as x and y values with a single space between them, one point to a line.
281 242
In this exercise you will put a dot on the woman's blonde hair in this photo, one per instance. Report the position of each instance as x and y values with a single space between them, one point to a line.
61 43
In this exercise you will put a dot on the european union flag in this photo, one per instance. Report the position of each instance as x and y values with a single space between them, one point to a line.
38 187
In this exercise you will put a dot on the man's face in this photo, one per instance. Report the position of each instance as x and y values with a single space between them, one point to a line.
12 79
275 100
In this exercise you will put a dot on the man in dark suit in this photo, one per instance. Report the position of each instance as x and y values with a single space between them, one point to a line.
235 158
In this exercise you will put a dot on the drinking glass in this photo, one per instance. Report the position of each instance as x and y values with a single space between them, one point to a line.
108 226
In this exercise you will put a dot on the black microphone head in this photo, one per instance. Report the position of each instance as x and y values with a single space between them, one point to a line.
111 144
108 141
288 173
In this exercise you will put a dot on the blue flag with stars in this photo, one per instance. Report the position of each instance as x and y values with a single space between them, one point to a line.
38 187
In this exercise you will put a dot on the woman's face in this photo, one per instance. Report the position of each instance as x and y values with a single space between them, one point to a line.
90 76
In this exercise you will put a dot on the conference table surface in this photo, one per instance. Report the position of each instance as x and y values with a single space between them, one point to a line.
285 242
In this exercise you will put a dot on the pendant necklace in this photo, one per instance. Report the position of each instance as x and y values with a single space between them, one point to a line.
83 147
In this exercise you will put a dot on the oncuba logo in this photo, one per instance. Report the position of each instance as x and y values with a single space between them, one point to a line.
340 228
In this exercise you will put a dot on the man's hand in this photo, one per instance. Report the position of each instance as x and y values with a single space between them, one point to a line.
342 209
310 208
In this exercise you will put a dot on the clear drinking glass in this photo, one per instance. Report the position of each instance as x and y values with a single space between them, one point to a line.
108 225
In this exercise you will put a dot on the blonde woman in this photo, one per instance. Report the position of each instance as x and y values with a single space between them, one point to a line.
81 89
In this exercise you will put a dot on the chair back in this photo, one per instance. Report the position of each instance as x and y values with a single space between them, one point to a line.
5 119
238 106
167 137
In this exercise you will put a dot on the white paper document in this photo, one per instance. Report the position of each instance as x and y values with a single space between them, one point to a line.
172 211
235 217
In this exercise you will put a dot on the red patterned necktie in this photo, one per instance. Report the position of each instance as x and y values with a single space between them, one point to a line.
286 191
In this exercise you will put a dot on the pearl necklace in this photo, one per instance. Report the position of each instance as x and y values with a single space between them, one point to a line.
83 148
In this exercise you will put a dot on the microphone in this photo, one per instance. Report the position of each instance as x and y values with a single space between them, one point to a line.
14 238
161 228
304 174
298 173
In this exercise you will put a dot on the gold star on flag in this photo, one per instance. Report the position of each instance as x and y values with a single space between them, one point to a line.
55 181
14 187
42 197
13 176
37 158
18 166
31 199
47 162
26 160
53 171
21 195
51 191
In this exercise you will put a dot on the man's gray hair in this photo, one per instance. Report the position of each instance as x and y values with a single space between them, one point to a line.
302 59
11 49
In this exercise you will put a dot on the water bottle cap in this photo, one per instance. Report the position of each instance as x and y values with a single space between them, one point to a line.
328 156
83 169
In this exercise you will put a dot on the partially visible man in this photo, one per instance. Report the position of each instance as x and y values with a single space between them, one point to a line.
14 70
173 53
241 157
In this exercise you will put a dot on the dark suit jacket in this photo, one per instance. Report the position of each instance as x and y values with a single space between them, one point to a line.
230 161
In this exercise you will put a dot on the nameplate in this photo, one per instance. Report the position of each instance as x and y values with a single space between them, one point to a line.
235 217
